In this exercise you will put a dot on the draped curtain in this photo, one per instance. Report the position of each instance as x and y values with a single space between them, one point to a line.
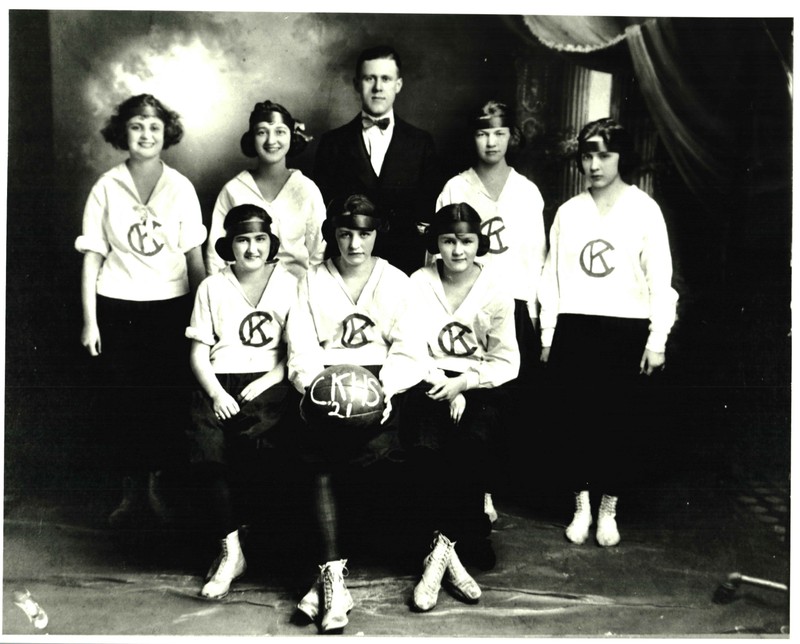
581 34
717 90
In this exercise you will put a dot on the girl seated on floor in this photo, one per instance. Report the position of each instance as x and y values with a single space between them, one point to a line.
238 356
350 310
450 425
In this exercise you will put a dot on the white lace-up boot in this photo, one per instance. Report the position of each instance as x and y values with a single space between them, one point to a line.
336 599
488 507
229 565
578 530
607 533
462 584
426 592
309 604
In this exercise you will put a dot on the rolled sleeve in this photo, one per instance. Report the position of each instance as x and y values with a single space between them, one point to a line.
93 236
193 333
657 342
192 235
201 324
193 232
85 243
473 379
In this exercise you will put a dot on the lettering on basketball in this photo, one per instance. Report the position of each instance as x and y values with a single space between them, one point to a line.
454 340
346 389
593 258
254 329
354 330
492 229
142 239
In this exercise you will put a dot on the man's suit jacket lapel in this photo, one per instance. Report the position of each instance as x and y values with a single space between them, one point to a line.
397 153
358 153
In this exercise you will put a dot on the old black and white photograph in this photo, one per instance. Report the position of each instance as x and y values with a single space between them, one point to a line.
397 322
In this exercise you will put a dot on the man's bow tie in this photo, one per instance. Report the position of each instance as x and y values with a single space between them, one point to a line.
367 122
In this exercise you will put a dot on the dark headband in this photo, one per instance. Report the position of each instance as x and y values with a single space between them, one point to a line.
593 146
249 226
493 121
356 221
456 227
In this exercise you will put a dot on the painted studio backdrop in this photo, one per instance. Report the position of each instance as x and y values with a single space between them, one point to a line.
73 67
727 205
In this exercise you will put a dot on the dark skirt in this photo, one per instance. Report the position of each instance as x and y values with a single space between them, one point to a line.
262 423
529 344
451 466
427 422
597 399
145 380
323 446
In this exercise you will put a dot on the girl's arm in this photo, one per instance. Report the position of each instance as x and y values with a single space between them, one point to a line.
407 362
315 244
656 262
213 262
90 334
262 383
536 253
651 360
501 362
305 355
449 388
195 268
548 295
225 405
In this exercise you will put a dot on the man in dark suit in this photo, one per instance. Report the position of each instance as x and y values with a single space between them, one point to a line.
385 158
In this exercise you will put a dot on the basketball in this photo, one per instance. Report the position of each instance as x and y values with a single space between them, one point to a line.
344 396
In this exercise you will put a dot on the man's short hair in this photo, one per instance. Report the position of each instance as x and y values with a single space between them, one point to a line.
381 51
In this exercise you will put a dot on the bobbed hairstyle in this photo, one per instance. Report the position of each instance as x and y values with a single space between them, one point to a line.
115 131
262 112
455 218
246 218
497 114
356 212
616 138
380 51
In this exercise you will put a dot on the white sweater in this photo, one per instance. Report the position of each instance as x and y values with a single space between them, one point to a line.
297 214
617 265
514 225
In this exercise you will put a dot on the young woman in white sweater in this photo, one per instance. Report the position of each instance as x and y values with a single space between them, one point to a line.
607 308
510 206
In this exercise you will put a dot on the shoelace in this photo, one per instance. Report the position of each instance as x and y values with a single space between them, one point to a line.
438 536
442 560
223 560
327 582
608 507
226 561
